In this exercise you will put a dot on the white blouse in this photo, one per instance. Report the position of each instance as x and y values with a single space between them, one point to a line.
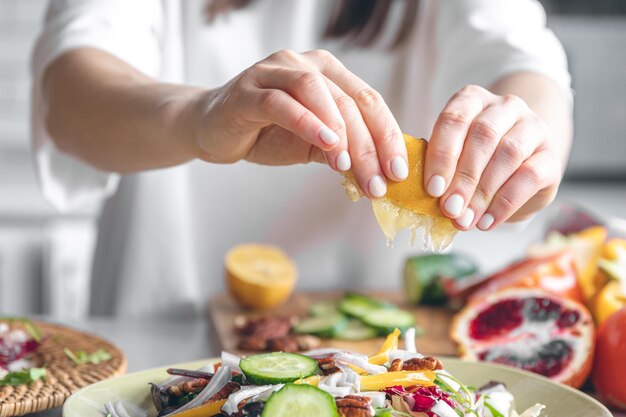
163 233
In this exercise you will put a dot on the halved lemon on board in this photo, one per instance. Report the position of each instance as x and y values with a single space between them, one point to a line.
259 276
407 205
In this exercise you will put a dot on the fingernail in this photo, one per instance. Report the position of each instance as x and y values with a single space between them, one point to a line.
377 186
454 204
399 167
436 186
343 161
466 218
485 222
328 136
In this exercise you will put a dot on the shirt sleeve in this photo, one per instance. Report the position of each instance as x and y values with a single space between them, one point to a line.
480 41
131 31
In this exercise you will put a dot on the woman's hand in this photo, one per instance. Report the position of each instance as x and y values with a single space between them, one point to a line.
294 108
490 160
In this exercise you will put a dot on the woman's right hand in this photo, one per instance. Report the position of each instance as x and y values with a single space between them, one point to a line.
295 108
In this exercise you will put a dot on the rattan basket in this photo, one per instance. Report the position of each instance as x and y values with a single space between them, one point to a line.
63 377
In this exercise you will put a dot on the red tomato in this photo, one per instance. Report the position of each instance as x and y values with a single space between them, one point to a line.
610 365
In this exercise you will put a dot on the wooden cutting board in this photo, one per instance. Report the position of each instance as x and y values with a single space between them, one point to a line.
435 321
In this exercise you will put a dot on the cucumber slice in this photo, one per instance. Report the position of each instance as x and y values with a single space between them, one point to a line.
386 320
424 276
356 330
300 400
328 326
357 305
277 368
323 309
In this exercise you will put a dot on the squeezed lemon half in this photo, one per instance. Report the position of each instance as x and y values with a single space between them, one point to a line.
407 205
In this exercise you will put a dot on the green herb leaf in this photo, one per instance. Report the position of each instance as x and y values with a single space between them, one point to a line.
390 412
494 412
26 376
81 357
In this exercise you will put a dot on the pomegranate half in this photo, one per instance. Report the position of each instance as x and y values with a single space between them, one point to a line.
529 329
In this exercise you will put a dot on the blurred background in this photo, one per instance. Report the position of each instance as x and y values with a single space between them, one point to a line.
45 257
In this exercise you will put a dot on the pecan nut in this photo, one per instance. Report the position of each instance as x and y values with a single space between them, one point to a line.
252 343
396 365
427 363
224 393
195 385
287 343
263 327
354 406
327 365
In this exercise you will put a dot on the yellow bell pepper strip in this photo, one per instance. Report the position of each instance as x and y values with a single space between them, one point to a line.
206 410
402 378
312 380
391 343
612 274
588 245
609 300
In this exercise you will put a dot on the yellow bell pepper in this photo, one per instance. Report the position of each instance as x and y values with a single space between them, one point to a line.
391 343
612 278
206 410
312 380
402 378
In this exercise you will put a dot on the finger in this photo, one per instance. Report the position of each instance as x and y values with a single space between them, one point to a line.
448 135
361 148
278 107
484 135
310 89
540 171
377 116
516 146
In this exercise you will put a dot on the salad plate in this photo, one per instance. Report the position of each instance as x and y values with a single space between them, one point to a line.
528 389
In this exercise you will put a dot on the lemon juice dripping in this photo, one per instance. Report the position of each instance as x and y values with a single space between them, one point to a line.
437 232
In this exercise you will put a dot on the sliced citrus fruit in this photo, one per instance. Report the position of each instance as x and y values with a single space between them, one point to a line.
259 276
530 329
555 273
587 247
407 205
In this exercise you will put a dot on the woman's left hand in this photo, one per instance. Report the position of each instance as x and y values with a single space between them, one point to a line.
490 160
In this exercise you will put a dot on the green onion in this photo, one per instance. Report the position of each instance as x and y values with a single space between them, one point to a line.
26 376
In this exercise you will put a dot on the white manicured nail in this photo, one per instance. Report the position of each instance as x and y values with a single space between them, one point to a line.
328 136
343 161
485 222
454 204
466 218
399 167
436 186
377 186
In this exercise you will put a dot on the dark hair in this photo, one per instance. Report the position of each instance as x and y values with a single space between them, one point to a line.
359 22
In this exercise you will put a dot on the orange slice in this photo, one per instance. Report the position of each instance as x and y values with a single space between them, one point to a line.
259 276
407 205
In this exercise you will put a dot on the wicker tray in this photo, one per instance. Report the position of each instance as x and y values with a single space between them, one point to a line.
63 376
